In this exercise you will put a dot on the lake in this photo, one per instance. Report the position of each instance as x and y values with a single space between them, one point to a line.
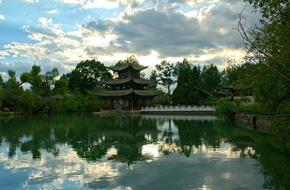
86 151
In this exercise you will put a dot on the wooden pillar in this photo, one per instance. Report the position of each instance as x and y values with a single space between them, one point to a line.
112 104
131 102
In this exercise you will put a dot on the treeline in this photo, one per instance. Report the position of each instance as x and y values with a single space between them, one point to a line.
51 93
195 85
71 92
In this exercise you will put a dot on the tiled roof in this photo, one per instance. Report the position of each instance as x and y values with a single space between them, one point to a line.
117 81
116 93
144 81
126 80
123 67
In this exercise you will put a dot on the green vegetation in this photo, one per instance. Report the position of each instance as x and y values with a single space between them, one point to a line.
50 93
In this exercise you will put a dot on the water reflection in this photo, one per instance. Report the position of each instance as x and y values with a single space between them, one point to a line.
136 152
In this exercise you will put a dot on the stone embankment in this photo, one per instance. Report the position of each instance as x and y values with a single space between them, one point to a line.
257 122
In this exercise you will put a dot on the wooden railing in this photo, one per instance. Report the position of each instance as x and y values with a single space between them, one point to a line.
178 108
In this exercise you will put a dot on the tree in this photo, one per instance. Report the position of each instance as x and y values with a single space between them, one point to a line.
183 72
87 76
11 92
1 79
210 78
153 77
41 84
131 60
165 75
268 50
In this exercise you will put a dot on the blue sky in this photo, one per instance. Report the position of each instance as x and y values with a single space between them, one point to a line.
61 33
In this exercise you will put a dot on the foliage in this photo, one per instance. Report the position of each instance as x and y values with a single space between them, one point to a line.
165 75
153 77
210 78
227 107
1 79
87 75
255 108
11 92
131 60
41 84
70 104
268 53
31 102
187 77
196 86
280 127
92 103
161 99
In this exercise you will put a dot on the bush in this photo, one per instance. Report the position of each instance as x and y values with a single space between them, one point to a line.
31 102
225 107
255 108
70 104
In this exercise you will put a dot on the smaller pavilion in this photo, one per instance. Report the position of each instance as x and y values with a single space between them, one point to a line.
128 91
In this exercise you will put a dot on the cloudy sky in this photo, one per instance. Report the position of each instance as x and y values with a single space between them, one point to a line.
61 33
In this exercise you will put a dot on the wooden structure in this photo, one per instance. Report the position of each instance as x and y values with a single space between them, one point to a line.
127 91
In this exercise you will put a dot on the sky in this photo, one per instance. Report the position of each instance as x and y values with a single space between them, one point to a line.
62 33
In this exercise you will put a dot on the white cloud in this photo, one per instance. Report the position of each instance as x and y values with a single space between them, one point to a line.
53 11
2 17
3 54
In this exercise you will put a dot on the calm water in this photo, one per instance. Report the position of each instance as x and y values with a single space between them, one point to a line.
85 151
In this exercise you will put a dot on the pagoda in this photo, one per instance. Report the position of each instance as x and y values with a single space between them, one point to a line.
127 91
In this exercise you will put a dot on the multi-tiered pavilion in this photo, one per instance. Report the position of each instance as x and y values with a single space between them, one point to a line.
128 91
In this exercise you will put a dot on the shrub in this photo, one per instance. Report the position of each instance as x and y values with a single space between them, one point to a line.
226 107
70 104
255 108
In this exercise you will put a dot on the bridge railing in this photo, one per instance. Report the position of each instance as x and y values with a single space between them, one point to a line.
177 108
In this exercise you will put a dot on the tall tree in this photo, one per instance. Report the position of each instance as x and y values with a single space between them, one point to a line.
11 92
268 47
41 84
153 77
210 78
87 76
183 72
165 75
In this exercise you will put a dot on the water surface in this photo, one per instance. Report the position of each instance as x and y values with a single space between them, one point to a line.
85 151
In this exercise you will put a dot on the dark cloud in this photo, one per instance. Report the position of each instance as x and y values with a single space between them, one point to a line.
48 32
170 32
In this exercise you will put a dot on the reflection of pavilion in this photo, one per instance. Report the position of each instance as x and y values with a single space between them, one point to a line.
128 135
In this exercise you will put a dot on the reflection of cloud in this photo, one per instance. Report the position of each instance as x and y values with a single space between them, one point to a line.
52 172
205 168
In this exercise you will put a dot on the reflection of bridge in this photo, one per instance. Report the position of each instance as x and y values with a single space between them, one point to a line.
181 117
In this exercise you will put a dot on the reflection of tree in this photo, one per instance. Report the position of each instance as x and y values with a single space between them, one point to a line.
37 133
195 134
275 160
90 136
